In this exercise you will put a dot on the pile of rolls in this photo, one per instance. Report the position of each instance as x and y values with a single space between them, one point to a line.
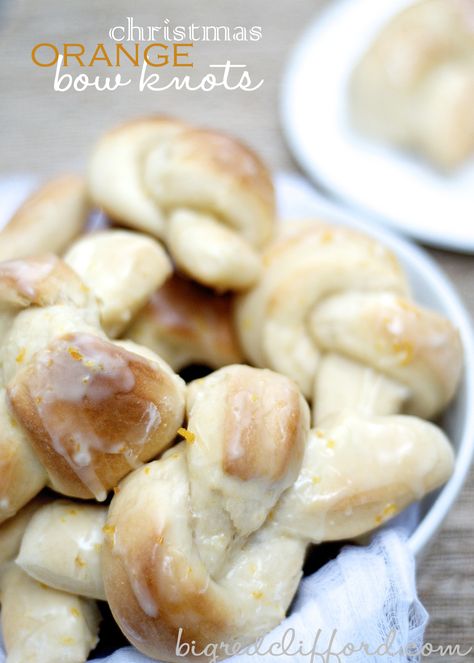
189 507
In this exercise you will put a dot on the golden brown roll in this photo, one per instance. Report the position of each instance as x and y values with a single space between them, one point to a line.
187 324
61 547
200 556
82 410
333 312
206 545
40 624
122 269
48 221
360 471
209 198
414 87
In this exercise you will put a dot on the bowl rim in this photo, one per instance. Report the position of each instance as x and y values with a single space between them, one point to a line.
457 312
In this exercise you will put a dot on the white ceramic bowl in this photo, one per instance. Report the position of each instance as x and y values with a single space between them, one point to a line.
431 288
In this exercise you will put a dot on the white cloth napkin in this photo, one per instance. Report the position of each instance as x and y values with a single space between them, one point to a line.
360 608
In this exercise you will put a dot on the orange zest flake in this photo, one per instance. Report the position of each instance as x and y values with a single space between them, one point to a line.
146 470
160 540
389 511
319 433
405 350
257 595
326 236
187 434
68 640
108 530
74 612
20 356
79 561
75 354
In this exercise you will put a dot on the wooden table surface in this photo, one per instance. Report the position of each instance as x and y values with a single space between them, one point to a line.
47 132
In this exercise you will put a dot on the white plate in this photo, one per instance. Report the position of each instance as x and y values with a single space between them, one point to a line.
393 187
431 288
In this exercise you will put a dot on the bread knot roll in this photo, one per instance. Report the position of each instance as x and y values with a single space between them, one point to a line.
40 624
61 547
209 198
187 544
206 545
333 312
122 269
40 281
48 221
414 86
358 472
78 411
93 410
185 324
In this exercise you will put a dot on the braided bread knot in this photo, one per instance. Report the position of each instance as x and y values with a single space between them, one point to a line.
38 622
333 312
78 411
203 555
206 545
209 198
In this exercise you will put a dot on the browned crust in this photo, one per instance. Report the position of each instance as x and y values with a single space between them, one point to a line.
51 218
55 191
262 430
109 419
22 476
157 637
41 281
193 317
184 598
223 153
205 146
